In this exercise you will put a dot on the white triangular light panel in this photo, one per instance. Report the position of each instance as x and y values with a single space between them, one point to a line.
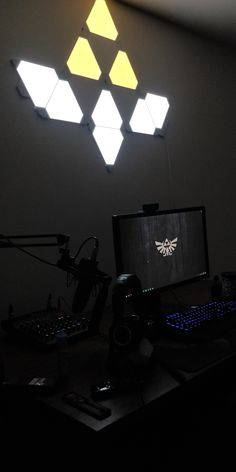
106 112
158 107
38 80
109 141
63 104
141 120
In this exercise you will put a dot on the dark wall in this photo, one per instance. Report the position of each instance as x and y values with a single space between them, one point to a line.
53 177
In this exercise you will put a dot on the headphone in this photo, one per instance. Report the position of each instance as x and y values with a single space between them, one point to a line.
127 306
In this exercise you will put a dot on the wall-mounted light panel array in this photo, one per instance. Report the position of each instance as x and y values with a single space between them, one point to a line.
56 97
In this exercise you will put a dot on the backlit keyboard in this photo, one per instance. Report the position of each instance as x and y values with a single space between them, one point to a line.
202 322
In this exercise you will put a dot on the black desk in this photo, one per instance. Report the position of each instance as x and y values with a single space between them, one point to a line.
165 412
87 362
158 414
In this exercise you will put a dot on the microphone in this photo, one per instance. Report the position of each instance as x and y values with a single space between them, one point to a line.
87 270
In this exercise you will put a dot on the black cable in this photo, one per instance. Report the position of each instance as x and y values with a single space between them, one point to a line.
31 254
140 392
180 302
84 242
175 373
138 380
64 301
170 172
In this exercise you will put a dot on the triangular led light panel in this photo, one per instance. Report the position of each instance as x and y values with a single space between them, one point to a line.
100 21
39 81
63 104
122 73
141 120
82 60
106 112
158 107
109 141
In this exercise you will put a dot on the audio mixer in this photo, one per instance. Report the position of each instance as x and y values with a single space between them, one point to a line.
41 328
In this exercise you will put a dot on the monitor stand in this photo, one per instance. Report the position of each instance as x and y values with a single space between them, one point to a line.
152 305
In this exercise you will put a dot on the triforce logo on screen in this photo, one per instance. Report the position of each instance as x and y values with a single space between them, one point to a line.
167 247
57 95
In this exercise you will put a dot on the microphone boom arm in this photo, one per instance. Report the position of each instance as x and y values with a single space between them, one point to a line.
86 272
89 277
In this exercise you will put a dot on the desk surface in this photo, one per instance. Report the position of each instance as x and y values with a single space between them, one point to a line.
161 380
87 363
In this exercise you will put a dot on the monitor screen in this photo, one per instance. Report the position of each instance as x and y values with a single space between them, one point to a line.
164 249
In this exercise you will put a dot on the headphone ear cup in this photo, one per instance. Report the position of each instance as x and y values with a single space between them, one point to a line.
126 334
121 335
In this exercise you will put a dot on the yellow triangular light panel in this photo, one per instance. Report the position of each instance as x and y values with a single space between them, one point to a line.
100 21
122 73
82 60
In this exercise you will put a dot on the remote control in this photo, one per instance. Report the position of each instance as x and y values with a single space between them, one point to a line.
90 407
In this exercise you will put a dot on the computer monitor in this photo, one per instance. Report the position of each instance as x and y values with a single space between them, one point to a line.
164 248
